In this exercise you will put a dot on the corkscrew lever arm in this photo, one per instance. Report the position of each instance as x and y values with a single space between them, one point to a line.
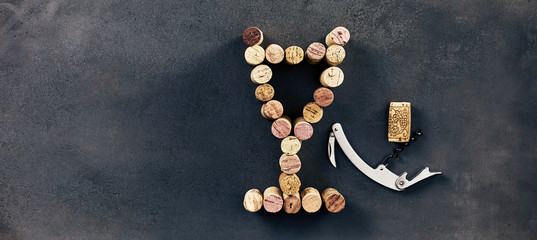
381 174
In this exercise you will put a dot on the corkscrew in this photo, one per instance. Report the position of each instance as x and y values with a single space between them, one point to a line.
381 174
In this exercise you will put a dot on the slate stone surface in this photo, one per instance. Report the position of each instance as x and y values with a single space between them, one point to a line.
137 119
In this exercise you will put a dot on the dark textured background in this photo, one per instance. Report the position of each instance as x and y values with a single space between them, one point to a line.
137 119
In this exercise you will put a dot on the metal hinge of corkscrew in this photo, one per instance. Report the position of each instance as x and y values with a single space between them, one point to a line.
398 131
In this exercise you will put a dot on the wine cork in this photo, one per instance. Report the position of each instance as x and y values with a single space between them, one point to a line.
261 74
281 127
312 112
339 36
315 53
263 112
254 55
264 92
252 36
291 203
335 55
290 145
333 200
290 164
253 200
332 77
323 96
294 55
289 183
399 122
274 54
311 200
272 200
272 109
302 129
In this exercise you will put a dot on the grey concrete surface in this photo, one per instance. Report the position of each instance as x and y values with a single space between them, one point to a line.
137 119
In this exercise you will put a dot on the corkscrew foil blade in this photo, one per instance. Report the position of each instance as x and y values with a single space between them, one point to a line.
331 143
